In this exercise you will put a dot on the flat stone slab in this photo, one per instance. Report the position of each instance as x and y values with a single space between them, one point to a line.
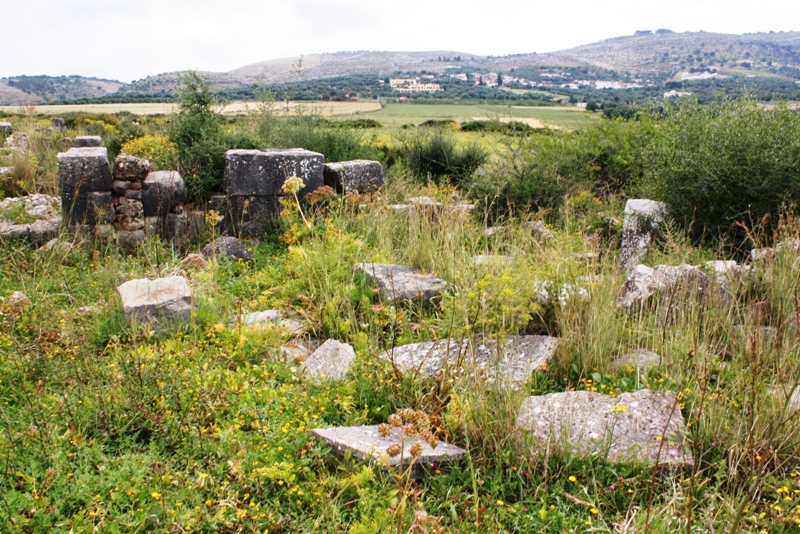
509 362
399 282
674 284
641 427
227 247
147 300
331 360
84 141
364 442
640 359
642 219
356 176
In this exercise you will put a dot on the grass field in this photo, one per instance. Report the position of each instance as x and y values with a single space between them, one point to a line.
323 108
399 114
388 115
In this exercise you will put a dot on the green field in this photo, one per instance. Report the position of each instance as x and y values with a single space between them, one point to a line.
399 114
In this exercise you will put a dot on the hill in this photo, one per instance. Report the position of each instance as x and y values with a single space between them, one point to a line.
657 56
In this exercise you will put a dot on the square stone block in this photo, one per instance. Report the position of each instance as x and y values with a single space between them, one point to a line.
262 173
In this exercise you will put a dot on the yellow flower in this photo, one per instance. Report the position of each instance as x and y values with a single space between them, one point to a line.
293 184
573 479
500 503
594 511
155 495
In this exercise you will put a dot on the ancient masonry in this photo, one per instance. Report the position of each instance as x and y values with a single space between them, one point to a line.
127 202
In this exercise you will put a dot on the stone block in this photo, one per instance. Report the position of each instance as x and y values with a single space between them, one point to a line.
251 216
6 128
44 230
80 172
88 141
130 238
162 299
161 192
508 362
251 173
130 169
642 220
671 285
331 360
641 427
365 442
227 247
57 123
399 282
357 176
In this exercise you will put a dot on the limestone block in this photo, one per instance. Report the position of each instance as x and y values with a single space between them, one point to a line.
88 141
262 173
161 192
357 176
251 216
642 219
6 128
81 171
162 299
641 427
331 360
399 282
227 247
57 123
130 169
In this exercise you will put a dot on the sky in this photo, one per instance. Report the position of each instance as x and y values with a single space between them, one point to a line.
128 40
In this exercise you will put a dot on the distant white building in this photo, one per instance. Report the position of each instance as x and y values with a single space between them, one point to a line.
673 93
705 75
413 85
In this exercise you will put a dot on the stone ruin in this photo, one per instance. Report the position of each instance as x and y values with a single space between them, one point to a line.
127 202
253 184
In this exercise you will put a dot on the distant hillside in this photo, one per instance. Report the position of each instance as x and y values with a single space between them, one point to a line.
656 56
19 90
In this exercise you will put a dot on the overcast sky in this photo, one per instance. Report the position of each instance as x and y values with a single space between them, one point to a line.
127 40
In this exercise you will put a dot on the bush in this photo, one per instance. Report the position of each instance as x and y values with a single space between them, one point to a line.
157 148
722 163
435 155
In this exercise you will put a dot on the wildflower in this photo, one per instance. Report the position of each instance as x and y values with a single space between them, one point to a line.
573 479
500 503
594 511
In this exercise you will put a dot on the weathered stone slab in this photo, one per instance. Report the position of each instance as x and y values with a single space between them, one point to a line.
6 128
88 141
57 246
161 192
491 260
227 247
57 123
641 427
81 171
673 284
14 231
642 219
162 299
364 442
357 176
509 362
129 168
331 360
262 173
640 359
129 238
399 282
44 230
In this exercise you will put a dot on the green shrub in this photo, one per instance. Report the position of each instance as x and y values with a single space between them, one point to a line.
435 155
722 163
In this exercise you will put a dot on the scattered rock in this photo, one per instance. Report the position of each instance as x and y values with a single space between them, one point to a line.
364 442
357 176
57 246
6 128
130 169
130 238
645 426
331 360
482 260
673 284
299 349
105 232
509 362
642 219
227 247
18 299
639 359
88 141
88 310
14 231
260 317
57 124
162 299
762 255
399 282
538 230
18 142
